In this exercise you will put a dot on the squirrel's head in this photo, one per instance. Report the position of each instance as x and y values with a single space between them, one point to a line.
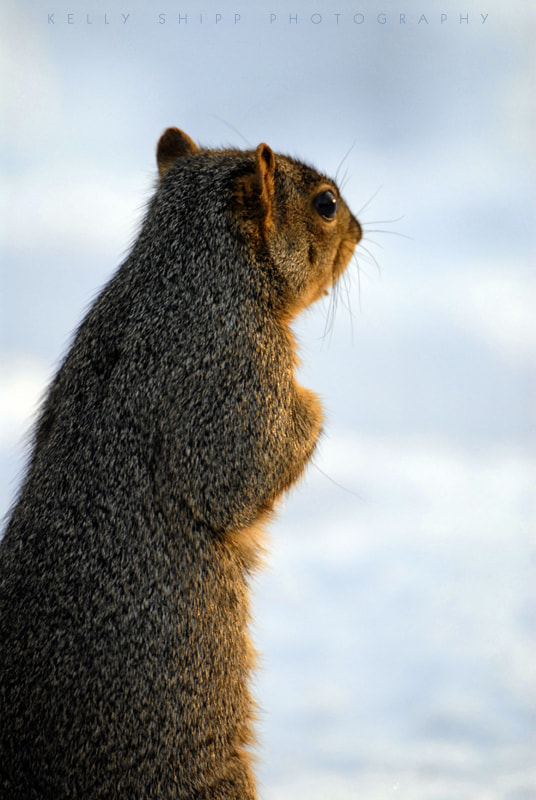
298 220
292 218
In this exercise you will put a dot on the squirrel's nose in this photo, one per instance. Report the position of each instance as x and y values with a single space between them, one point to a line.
356 229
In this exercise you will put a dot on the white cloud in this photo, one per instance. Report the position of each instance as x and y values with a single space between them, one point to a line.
428 487
30 97
492 300
23 380
82 209
501 310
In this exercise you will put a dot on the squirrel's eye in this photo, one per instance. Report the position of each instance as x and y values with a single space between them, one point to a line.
326 204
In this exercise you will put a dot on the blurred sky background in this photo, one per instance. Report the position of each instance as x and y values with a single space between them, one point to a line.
396 617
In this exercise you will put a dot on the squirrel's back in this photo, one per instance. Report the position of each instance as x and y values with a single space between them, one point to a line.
172 427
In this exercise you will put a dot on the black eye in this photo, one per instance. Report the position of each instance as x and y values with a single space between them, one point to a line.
326 204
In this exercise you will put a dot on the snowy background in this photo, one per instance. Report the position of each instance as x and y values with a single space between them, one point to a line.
396 618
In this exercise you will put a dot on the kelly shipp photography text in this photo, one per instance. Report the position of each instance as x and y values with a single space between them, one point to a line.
258 17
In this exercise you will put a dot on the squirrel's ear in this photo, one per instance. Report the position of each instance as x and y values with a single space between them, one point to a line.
265 163
173 144
254 193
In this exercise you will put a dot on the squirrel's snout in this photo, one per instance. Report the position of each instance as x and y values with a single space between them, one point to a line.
355 229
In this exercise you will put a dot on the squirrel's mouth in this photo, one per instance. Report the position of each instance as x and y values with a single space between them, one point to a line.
346 250
343 256
330 268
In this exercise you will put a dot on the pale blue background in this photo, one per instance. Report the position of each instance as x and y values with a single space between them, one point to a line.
396 617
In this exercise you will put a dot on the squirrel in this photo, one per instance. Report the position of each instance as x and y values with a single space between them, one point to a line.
172 427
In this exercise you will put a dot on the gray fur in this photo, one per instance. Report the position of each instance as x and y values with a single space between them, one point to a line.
172 427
